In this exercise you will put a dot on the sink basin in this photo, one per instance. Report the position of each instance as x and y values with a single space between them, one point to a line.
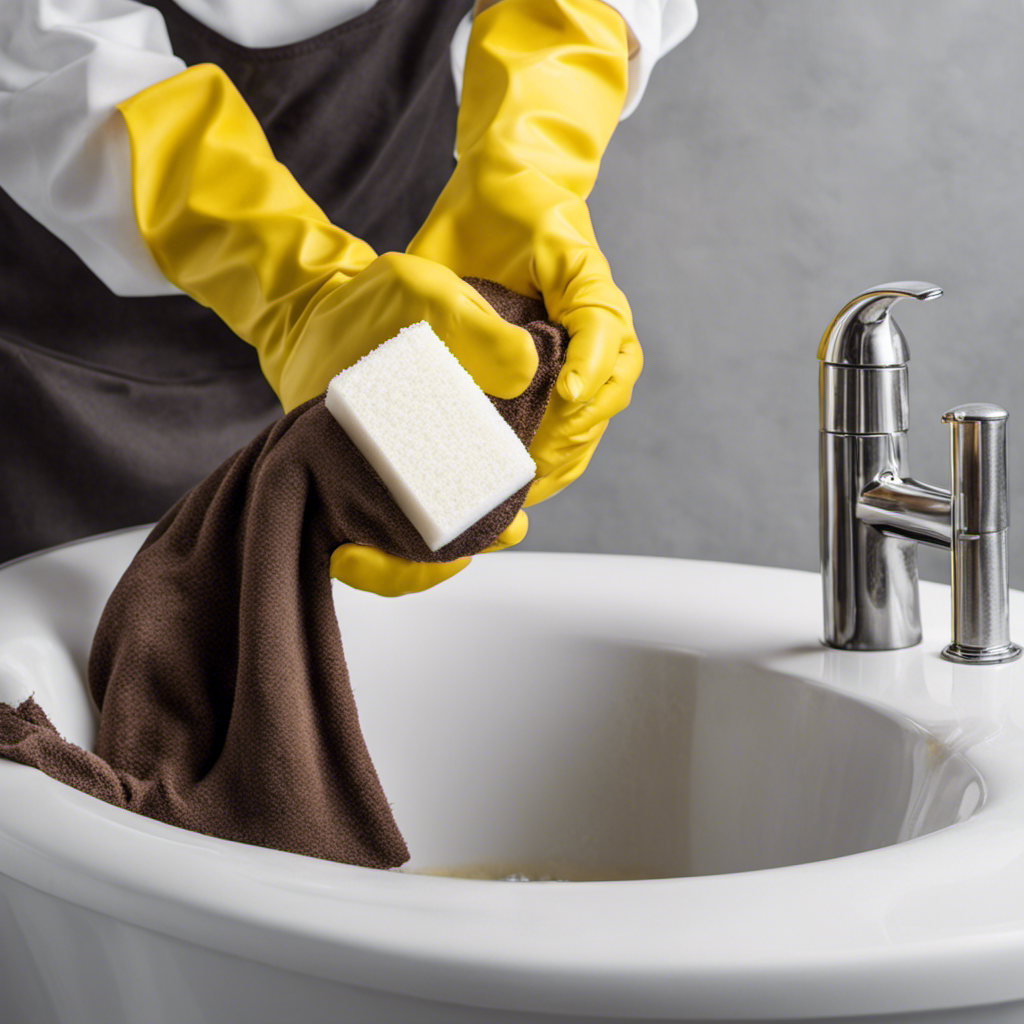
587 757
722 819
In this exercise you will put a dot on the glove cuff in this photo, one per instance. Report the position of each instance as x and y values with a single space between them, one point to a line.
225 220
547 81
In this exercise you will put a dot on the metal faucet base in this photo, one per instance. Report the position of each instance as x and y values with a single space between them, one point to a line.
965 655
858 649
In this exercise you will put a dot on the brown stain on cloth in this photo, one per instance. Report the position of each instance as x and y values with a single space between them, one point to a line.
217 665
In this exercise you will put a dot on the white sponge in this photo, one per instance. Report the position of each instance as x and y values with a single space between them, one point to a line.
430 432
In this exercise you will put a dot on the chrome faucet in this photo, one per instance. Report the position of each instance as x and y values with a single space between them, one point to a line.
873 514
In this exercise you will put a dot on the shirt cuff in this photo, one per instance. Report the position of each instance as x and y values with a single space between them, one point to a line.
66 158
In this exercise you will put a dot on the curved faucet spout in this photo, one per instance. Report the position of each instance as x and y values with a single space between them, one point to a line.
853 337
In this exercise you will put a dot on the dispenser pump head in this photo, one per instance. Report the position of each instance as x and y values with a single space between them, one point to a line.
864 333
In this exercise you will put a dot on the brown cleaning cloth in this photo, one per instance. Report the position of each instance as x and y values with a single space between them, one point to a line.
217 663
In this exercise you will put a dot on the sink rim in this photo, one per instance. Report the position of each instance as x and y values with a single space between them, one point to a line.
671 942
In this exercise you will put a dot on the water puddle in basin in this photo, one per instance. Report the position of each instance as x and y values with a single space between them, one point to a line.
534 871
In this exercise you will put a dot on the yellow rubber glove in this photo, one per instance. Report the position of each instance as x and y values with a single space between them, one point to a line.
367 568
544 85
229 225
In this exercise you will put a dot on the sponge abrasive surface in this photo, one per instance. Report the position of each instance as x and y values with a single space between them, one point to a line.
433 436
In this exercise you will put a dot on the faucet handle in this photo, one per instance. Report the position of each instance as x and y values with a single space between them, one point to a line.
978 467
980 525
863 333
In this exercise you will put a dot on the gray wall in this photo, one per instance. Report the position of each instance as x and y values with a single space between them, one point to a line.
787 155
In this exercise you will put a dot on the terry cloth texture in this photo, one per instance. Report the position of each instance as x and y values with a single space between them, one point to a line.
217 665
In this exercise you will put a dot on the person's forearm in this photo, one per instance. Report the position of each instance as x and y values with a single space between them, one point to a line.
224 219
482 5
654 28
548 80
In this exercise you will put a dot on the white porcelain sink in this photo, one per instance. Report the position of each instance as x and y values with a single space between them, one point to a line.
756 827
592 757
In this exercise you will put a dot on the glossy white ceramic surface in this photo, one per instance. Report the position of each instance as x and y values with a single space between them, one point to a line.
805 833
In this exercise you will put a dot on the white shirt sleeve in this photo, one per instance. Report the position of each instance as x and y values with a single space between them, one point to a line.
655 27
65 65
64 155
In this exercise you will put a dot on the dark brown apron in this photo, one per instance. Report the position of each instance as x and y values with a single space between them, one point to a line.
111 408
